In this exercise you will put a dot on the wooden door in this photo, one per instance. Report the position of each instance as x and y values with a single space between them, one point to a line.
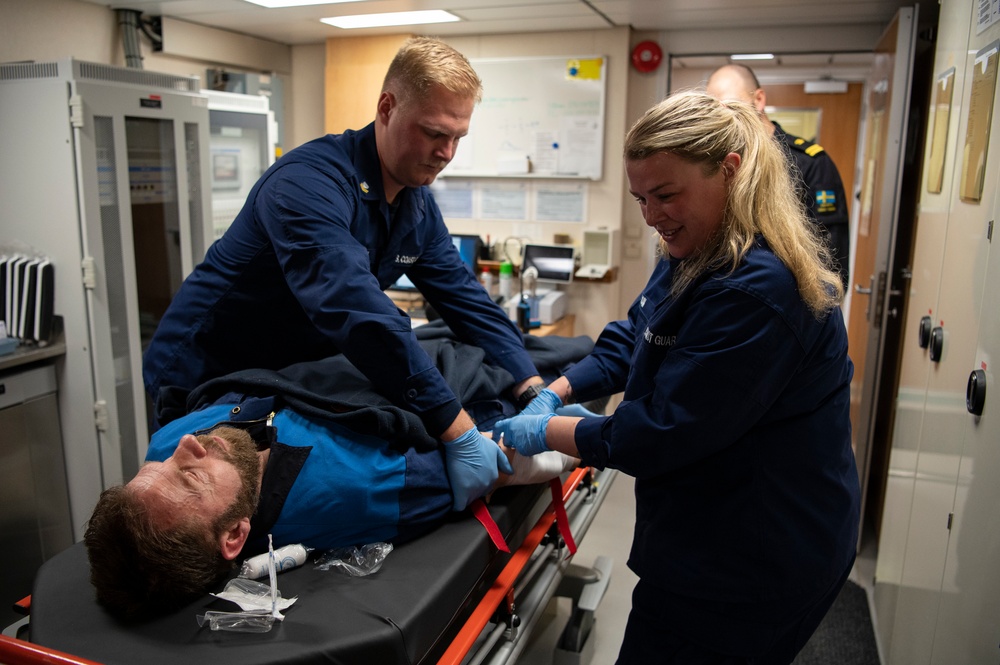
840 117
878 216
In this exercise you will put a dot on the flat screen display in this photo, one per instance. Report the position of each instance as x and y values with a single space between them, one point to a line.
554 263
468 247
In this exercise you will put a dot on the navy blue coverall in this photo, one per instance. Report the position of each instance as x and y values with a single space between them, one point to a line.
735 424
299 276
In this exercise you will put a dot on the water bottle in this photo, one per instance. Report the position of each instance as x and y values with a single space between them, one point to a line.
524 315
506 278
487 279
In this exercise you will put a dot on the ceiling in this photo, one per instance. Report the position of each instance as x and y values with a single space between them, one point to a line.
300 25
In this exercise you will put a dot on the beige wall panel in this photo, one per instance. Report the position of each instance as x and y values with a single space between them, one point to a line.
45 30
305 97
355 67
196 42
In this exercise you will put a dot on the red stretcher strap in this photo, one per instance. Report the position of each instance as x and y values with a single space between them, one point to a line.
23 606
502 585
562 521
482 514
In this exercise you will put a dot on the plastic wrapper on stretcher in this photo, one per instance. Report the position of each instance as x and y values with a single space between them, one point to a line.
257 602
257 621
354 561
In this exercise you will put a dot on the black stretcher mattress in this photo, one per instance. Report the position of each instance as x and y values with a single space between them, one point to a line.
408 612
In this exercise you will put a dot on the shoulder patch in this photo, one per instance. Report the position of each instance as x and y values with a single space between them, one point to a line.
802 145
826 201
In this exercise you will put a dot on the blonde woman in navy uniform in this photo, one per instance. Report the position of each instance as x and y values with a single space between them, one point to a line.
735 418
820 185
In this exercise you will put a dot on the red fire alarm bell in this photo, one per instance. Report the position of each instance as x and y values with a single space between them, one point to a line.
646 56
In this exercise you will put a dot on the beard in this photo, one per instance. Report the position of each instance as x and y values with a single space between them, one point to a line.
242 454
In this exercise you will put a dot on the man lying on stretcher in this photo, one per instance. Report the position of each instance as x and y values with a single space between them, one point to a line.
309 455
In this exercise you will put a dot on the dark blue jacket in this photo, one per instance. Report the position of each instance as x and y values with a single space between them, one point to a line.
822 193
736 425
300 273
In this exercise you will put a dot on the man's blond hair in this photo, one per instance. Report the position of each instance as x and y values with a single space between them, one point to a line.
423 63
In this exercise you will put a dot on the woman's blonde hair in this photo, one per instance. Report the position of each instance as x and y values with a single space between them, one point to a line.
424 62
762 197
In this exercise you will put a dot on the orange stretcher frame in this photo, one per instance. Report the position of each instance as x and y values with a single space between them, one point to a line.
15 651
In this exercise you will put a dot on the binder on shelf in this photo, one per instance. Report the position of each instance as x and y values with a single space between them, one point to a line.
4 281
45 301
14 295
27 297
26 309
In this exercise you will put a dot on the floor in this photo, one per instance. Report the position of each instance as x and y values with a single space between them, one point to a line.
611 535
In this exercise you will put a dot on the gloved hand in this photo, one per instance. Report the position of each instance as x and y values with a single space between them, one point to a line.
545 402
525 434
575 410
472 461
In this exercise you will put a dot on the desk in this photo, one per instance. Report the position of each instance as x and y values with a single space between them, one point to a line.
563 326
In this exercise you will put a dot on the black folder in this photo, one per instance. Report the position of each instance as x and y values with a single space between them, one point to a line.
45 301
4 281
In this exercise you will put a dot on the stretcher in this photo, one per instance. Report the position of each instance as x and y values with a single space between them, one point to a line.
449 597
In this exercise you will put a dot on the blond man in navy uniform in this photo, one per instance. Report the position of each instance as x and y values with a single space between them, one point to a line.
822 189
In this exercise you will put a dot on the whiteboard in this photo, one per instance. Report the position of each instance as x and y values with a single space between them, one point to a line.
540 117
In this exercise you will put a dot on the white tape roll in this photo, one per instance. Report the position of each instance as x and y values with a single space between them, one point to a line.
285 558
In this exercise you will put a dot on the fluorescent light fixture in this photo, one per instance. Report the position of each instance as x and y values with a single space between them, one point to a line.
391 18
752 56
278 4
827 86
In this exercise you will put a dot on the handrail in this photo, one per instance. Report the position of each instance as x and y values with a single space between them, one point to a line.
18 652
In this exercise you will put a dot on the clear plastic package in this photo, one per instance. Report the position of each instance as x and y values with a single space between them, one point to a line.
353 561
261 603
254 621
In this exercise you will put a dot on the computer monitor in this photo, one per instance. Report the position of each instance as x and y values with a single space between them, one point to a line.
468 247
554 263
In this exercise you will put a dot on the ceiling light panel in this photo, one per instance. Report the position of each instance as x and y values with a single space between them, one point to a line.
280 4
390 19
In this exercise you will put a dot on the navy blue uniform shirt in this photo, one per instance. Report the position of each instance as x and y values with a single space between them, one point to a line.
300 273
735 424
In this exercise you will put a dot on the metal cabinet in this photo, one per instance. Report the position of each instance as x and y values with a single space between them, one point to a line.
103 171
34 505
937 583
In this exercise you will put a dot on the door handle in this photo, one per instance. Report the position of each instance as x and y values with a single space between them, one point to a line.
860 290
975 392
924 332
936 345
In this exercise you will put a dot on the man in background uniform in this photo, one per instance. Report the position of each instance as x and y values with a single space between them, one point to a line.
822 189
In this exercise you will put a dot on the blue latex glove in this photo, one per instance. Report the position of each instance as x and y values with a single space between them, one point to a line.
575 410
525 434
544 402
472 462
